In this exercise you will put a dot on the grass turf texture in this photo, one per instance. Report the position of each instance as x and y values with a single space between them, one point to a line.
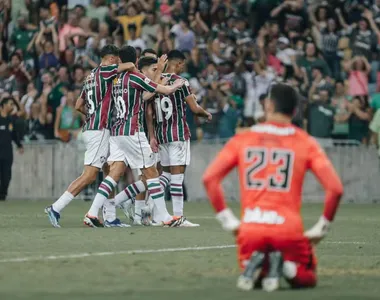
349 259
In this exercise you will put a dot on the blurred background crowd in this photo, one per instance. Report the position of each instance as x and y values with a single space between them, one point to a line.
328 50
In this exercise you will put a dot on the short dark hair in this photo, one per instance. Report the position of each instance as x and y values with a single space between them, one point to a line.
176 54
128 54
284 97
109 50
16 54
149 50
6 100
146 62
77 66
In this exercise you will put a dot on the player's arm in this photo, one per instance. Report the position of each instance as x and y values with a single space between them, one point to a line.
80 106
196 108
126 67
141 82
323 169
170 89
157 76
149 123
110 72
225 161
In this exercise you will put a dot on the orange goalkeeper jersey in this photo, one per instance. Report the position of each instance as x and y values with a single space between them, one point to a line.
272 160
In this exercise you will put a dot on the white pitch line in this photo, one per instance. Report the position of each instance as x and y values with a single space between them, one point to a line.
138 251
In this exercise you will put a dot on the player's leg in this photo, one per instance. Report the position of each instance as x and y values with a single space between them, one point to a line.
117 164
97 148
139 204
179 155
109 209
299 267
251 255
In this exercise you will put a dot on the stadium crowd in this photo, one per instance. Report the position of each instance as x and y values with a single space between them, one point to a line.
327 50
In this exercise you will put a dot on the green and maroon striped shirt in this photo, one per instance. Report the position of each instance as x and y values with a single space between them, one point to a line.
171 125
96 92
127 97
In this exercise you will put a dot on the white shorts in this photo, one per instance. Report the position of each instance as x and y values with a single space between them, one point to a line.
157 159
97 147
133 150
175 154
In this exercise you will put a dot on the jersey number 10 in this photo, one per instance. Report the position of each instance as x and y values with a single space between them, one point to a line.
258 159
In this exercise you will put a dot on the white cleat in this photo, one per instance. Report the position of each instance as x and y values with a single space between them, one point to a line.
128 209
187 223
137 222
271 284
146 216
244 283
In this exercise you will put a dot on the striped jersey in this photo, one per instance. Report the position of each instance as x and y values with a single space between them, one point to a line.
170 124
96 92
127 97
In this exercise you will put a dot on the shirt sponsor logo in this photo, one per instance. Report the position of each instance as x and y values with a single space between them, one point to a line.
260 216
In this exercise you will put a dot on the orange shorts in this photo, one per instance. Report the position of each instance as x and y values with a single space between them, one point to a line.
267 238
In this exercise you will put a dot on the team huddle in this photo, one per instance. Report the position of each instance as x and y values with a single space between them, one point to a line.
272 159
138 97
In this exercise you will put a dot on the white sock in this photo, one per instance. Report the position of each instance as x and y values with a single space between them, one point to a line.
139 204
109 210
165 179
176 192
130 192
156 192
63 201
104 190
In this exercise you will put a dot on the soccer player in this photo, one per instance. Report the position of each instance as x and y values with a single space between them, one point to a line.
272 159
128 142
172 134
95 103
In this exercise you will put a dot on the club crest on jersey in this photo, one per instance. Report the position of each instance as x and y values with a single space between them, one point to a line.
147 80
187 83
10 127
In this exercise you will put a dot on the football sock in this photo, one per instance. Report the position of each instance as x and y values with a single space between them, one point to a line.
62 202
130 192
176 192
165 179
157 193
104 190
109 210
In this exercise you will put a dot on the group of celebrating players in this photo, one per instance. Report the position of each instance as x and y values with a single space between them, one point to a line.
143 96
272 159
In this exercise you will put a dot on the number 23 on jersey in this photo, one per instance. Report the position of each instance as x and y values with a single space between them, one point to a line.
270 169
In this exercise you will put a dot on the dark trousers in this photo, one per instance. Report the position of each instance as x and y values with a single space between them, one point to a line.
5 176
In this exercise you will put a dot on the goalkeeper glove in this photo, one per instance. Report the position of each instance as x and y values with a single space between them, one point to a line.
318 231
228 220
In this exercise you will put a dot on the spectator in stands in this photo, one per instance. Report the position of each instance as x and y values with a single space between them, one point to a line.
320 116
67 123
358 71
359 118
340 103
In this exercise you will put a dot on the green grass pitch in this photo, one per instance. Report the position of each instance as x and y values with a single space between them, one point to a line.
349 259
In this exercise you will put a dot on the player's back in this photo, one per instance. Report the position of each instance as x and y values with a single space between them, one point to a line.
171 124
272 162
96 92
